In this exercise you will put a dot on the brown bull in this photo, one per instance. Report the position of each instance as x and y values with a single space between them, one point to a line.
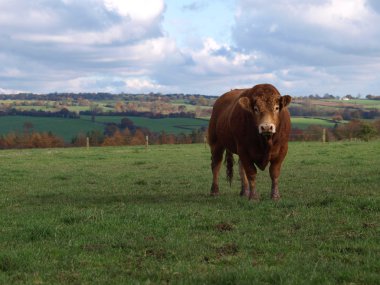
254 124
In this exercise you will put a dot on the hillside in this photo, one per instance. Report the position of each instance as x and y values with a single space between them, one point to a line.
70 116
122 215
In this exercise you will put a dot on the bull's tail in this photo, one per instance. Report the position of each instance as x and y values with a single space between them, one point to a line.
229 161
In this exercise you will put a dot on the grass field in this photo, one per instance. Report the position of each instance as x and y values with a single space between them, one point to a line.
65 128
169 125
127 215
69 128
302 122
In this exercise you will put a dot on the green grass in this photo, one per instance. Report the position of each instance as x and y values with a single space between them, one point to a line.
367 104
69 128
127 215
185 125
303 123
169 125
65 128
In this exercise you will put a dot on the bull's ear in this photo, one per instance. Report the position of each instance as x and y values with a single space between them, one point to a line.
245 104
285 101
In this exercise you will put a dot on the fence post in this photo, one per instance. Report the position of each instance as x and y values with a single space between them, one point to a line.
87 142
324 135
146 141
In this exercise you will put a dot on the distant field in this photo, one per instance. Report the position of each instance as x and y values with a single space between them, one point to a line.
358 102
302 123
169 125
180 125
127 215
69 128
50 106
65 128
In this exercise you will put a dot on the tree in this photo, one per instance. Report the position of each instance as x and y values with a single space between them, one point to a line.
376 124
96 137
95 109
127 123
117 139
337 118
28 126
181 108
79 140
120 106
138 138
163 138
110 129
367 132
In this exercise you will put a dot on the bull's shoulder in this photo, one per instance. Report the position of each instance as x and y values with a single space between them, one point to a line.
228 98
233 94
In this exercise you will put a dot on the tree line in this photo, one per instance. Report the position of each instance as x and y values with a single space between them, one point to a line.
63 113
193 99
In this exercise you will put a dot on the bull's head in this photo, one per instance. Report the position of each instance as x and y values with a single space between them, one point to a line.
265 103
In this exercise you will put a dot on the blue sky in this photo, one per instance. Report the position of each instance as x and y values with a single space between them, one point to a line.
191 21
190 46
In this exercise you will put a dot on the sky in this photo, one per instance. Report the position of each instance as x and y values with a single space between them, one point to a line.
205 47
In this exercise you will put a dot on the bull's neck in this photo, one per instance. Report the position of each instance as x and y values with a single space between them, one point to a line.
266 145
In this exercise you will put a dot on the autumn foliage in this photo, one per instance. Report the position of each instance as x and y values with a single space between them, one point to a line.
33 140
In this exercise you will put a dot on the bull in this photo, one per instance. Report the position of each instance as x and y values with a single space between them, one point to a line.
254 124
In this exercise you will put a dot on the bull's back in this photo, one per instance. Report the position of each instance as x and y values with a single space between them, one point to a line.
219 116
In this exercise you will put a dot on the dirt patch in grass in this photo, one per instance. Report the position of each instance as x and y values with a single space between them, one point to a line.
227 250
157 253
224 227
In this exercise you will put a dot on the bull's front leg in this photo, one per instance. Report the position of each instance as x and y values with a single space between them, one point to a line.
274 171
250 172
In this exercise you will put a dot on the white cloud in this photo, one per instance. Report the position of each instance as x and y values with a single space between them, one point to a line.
323 44
142 85
303 47
136 9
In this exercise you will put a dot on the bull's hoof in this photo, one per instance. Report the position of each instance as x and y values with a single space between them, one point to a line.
214 190
244 193
275 196
254 196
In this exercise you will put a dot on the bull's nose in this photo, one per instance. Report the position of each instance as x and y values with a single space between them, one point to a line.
267 128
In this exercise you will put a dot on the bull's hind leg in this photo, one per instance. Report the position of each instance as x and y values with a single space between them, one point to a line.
244 181
216 163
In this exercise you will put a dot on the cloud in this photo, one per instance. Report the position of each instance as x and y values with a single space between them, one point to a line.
330 41
136 9
72 44
302 47
374 4
334 26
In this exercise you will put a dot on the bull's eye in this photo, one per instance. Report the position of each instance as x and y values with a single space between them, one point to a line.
277 108
256 109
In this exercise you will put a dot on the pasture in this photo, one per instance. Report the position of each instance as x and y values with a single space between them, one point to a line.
168 125
65 128
69 128
303 123
126 215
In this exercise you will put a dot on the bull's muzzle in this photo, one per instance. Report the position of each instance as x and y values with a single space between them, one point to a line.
267 129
